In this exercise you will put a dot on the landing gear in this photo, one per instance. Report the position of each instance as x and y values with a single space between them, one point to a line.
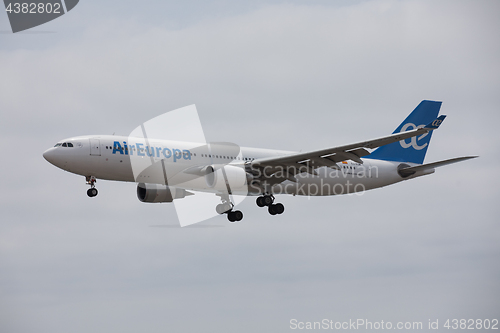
267 200
92 191
226 207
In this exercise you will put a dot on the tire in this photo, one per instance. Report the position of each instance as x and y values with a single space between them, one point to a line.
260 202
92 192
231 217
267 200
272 210
238 215
279 208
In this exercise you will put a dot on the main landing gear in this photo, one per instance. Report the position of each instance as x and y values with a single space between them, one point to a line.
267 200
92 191
226 207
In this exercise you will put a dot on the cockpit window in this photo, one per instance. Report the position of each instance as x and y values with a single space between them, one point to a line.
65 144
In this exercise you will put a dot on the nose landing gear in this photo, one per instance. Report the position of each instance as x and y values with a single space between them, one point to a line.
92 191
267 200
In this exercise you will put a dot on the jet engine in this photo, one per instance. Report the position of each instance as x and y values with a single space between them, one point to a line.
159 193
216 177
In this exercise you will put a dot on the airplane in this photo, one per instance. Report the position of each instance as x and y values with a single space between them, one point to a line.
167 170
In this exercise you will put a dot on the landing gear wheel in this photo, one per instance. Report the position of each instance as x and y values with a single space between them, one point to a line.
235 216
238 215
231 217
267 200
260 202
276 209
279 208
92 192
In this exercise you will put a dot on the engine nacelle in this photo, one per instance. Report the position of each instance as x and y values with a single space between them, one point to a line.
159 193
236 176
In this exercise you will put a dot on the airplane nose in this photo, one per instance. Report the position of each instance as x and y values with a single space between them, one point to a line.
49 155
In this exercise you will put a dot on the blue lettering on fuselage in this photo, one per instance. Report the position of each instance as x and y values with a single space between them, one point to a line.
139 149
177 154
117 147
150 153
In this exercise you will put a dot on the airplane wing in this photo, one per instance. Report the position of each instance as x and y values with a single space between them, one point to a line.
307 162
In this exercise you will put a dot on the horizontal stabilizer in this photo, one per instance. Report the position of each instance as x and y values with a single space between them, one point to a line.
405 172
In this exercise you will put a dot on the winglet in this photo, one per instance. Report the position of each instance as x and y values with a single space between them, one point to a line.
435 123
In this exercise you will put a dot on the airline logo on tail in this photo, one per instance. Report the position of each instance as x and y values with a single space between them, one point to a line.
437 122
413 141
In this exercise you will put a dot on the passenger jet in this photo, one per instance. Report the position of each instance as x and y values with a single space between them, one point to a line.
168 170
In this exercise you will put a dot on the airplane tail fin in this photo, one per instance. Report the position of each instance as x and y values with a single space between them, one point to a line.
410 150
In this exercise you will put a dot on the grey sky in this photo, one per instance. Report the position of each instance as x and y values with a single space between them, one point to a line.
292 75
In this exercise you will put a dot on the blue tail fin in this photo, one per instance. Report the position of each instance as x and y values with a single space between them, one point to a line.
414 149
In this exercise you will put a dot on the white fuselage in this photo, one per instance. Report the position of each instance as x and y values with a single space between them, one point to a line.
119 158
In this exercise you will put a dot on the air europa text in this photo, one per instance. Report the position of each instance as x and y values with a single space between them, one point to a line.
143 150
